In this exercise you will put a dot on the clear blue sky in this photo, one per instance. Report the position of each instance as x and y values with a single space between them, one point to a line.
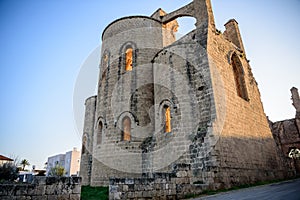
44 45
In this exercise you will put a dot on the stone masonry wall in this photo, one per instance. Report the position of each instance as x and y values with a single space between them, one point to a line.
123 94
87 140
287 133
183 82
43 188
247 150
287 136
173 185
218 125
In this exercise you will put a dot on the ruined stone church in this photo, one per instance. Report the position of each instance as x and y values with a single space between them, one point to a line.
185 113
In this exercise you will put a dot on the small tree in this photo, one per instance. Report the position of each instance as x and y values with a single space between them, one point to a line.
16 159
24 163
8 172
57 171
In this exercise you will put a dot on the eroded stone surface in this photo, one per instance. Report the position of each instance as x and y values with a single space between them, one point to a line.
220 136
65 188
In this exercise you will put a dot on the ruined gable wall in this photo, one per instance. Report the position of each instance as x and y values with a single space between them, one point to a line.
287 133
247 149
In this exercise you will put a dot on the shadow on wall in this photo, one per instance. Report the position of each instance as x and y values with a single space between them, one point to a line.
249 160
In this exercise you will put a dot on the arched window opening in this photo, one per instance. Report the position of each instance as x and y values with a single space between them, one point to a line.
84 143
99 133
128 55
186 24
126 129
167 112
105 61
239 77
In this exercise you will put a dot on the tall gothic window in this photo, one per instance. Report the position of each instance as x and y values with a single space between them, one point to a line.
128 55
167 112
126 125
239 77
84 143
99 133
105 60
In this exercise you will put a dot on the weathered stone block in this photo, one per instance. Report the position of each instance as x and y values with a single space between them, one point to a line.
42 197
52 197
51 189
125 188
8 197
181 174
76 189
146 194
21 190
129 181
6 189
36 190
74 196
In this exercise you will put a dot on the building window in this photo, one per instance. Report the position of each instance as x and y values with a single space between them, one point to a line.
99 133
167 112
128 55
239 77
126 127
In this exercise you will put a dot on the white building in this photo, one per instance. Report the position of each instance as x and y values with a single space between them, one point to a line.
70 161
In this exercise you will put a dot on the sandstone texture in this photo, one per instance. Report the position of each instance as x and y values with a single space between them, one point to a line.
43 188
217 134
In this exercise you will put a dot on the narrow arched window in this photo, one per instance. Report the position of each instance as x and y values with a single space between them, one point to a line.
105 61
167 112
128 57
99 133
83 144
239 77
126 127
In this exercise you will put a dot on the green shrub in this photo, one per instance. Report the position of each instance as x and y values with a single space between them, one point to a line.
8 172
57 171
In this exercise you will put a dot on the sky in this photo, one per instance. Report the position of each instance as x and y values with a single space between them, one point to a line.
49 62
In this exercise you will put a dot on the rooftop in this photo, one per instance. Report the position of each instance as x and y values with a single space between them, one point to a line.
5 158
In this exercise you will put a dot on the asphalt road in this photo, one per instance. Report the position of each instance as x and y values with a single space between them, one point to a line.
288 190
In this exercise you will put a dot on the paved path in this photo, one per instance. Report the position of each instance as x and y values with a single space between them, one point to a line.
288 190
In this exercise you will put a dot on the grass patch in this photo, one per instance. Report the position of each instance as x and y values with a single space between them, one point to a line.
93 193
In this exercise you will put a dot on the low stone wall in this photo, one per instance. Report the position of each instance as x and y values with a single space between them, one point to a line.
43 188
161 186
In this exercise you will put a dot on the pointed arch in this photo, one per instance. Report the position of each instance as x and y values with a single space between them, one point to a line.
128 54
167 117
126 129
105 60
84 143
165 108
239 78
128 59
99 132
